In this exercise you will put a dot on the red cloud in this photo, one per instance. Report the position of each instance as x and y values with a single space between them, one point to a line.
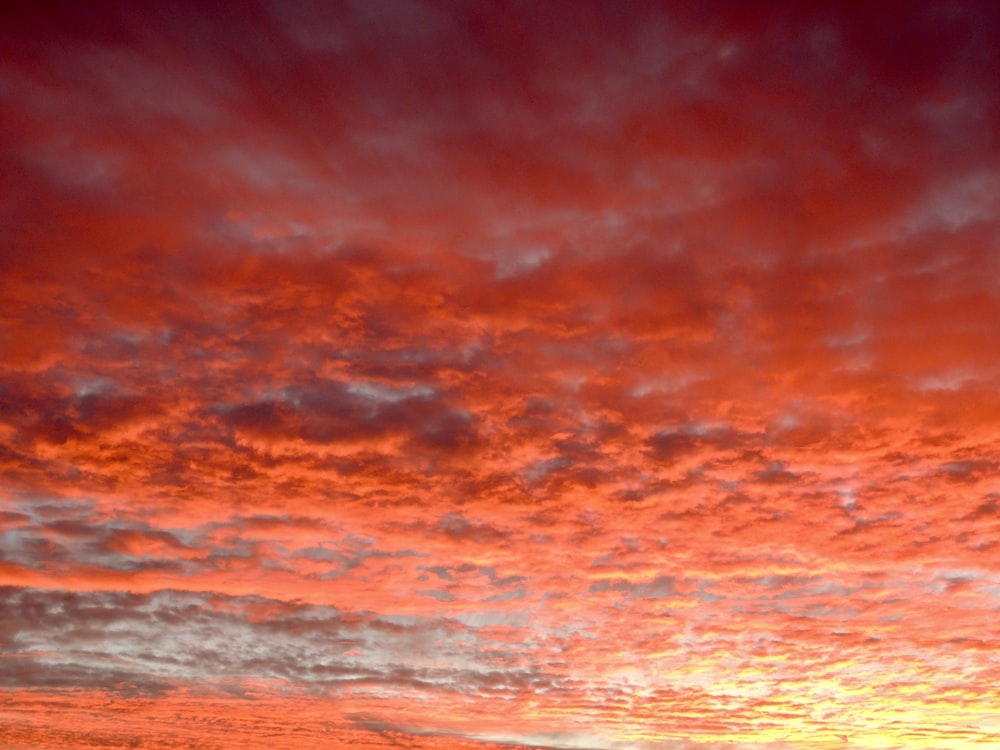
449 375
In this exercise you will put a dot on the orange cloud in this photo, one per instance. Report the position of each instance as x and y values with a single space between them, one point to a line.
448 375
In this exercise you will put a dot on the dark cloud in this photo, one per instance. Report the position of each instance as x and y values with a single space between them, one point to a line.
175 639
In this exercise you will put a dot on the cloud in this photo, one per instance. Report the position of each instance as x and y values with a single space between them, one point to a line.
174 639
570 375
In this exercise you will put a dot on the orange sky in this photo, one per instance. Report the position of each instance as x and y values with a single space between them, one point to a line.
431 374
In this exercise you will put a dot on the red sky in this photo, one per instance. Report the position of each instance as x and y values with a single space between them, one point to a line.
442 375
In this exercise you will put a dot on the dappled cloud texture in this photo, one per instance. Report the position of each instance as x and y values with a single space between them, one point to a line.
475 375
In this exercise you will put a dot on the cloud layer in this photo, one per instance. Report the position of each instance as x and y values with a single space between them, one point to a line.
443 374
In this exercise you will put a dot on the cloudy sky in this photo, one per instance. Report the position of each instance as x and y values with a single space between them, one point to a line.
431 374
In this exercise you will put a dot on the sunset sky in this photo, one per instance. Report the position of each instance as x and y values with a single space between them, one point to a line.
463 375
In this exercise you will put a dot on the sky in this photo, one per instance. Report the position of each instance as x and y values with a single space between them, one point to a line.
482 375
